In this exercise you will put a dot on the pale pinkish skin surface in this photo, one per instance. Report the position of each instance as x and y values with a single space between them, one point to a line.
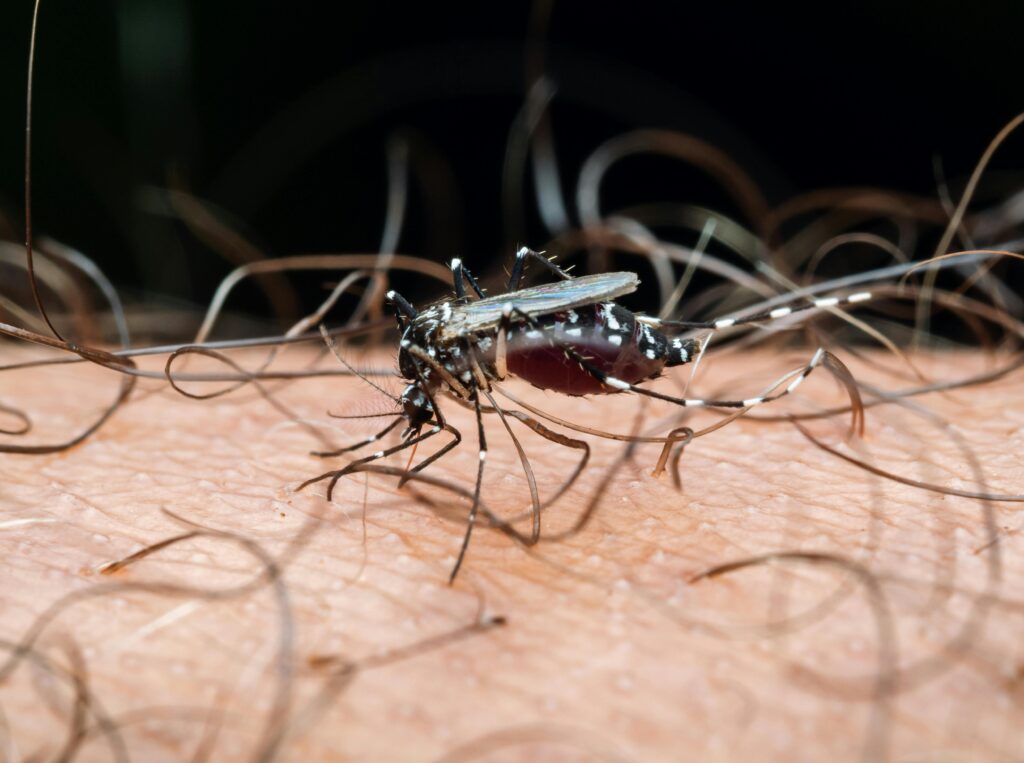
608 653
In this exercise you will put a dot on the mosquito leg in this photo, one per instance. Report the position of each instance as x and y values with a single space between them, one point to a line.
482 437
441 422
611 381
619 384
762 317
337 474
402 305
440 453
423 356
480 292
501 341
501 369
531 479
519 266
560 439
457 280
371 439
501 345
460 277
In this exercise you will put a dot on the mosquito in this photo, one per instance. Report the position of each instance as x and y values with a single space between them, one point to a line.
567 336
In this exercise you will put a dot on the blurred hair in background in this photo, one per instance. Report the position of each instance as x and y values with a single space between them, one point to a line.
279 117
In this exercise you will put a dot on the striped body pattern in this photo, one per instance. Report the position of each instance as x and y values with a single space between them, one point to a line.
566 337
607 335
546 351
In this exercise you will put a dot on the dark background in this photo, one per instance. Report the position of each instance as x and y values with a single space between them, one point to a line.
280 113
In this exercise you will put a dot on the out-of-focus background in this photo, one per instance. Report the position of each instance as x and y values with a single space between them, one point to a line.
279 115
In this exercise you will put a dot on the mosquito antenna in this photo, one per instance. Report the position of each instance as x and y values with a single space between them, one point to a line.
28 176
363 415
333 347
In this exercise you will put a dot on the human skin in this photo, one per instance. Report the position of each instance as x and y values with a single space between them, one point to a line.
885 627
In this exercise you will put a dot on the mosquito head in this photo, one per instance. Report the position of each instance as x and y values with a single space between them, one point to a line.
416 407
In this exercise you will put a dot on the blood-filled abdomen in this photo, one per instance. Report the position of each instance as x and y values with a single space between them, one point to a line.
605 335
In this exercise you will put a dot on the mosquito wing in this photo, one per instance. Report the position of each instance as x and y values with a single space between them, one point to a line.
540 300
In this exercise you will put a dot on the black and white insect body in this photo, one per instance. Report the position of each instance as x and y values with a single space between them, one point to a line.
607 335
569 336
557 337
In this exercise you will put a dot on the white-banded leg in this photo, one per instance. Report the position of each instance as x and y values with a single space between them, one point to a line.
471 522
501 339
483 387
762 317
414 438
519 267
559 439
619 384
461 276
501 342
403 307
441 422
524 461
751 402
443 451
337 474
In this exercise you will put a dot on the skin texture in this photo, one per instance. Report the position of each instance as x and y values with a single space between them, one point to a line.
890 631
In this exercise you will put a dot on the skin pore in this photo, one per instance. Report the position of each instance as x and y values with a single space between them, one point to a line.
882 623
